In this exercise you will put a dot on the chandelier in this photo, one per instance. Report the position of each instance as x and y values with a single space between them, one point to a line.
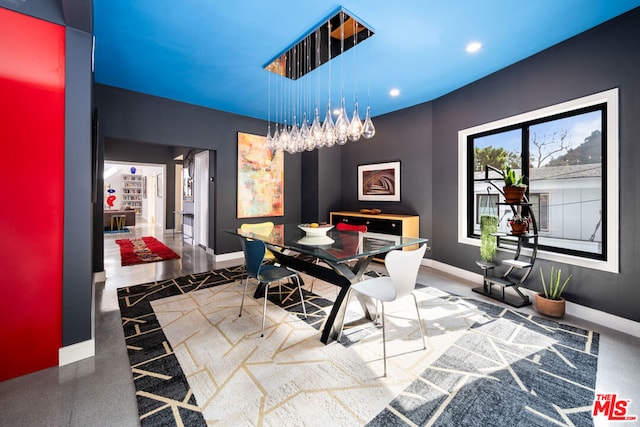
297 124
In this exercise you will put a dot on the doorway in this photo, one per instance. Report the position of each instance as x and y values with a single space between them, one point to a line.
201 200
139 186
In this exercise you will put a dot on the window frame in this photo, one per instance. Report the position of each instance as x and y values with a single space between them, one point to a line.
610 259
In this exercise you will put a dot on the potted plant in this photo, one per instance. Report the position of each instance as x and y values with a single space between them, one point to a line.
519 224
514 188
488 243
550 302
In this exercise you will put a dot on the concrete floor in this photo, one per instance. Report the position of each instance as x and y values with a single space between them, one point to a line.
99 391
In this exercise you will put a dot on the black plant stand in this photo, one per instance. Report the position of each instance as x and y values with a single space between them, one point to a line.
519 268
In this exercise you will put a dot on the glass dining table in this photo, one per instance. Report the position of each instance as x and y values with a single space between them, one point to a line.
344 256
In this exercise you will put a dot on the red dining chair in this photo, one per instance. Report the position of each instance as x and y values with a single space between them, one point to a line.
343 226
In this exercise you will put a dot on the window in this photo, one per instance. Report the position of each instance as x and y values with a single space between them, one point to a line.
540 207
564 152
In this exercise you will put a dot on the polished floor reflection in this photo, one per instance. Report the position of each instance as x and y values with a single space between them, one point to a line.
99 391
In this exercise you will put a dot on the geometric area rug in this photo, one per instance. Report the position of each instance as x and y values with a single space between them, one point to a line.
510 369
141 250
195 362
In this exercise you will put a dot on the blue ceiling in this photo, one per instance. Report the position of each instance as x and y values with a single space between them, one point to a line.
211 53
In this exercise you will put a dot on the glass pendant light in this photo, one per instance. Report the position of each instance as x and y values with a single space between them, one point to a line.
305 135
276 140
342 125
368 129
284 137
269 140
355 127
316 129
342 122
328 130
295 135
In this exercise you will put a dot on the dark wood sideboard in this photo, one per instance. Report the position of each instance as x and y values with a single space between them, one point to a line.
397 225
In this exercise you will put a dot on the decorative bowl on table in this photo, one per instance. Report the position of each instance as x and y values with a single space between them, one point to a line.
317 241
315 230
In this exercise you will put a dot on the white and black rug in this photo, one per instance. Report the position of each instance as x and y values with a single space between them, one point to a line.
194 361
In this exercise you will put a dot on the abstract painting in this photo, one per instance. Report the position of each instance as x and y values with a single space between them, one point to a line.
379 182
260 178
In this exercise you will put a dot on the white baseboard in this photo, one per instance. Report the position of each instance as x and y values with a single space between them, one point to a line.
76 352
610 321
476 278
228 256
99 276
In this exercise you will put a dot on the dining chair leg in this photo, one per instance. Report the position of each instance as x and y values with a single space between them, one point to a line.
246 283
384 342
424 344
304 309
264 308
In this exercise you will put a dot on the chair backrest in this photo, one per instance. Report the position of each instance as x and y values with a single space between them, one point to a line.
260 228
351 227
403 269
254 251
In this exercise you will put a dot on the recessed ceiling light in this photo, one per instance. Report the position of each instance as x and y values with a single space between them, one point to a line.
474 47
394 92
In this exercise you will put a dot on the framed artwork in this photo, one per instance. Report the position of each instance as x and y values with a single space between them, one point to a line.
379 182
260 178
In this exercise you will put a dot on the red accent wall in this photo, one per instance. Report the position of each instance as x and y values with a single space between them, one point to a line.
32 91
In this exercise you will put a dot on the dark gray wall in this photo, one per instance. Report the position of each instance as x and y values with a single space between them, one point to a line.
329 181
405 136
77 295
600 59
321 184
131 116
310 185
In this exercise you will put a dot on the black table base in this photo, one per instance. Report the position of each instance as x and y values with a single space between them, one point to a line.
341 275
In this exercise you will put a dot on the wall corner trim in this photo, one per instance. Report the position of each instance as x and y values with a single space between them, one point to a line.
610 321
76 352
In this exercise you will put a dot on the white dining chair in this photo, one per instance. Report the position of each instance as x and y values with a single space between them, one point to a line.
402 267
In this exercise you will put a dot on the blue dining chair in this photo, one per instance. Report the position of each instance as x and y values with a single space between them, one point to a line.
254 253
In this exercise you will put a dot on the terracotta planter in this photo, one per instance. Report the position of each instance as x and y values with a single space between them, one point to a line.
513 194
519 227
550 307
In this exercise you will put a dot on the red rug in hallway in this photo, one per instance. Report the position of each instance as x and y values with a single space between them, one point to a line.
141 250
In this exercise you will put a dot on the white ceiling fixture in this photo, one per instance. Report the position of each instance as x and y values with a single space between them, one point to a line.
473 47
